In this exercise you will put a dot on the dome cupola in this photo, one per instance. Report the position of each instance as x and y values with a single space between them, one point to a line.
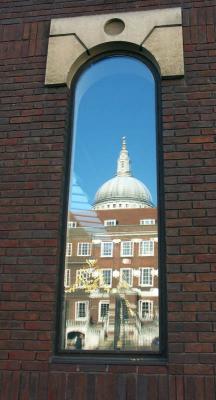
123 191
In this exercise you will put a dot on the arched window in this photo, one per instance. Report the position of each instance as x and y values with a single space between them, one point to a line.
112 248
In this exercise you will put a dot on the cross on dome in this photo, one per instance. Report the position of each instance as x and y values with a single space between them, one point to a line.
124 163
124 143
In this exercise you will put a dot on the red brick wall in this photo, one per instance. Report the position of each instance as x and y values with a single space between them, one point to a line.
34 121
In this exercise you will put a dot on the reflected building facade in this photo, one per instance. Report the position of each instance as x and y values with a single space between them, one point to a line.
111 268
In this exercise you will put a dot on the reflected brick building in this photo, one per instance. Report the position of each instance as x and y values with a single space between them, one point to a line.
111 268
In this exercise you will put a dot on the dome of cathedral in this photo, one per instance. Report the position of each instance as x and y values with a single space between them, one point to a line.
123 191
123 188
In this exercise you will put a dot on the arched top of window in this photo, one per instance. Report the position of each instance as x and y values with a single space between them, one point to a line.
113 49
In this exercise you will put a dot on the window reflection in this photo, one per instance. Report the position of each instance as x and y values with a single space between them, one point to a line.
111 253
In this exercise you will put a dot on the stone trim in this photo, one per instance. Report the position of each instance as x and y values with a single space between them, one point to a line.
158 31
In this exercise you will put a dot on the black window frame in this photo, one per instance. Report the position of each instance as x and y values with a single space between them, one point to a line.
115 357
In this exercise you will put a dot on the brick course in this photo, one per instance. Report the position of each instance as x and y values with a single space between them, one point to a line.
34 128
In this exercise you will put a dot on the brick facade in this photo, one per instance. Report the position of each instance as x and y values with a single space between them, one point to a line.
34 129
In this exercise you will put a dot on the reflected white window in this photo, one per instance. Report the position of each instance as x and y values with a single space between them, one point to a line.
83 277
146 248
106 249
69 249
146 277
147 222
110 222
81 310
127 249
106 277
72 224
103 310
126 276
84 249
67 279
146 310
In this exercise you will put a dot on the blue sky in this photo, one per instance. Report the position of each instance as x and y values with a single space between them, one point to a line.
114 97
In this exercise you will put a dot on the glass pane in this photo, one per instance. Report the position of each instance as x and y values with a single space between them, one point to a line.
111 250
